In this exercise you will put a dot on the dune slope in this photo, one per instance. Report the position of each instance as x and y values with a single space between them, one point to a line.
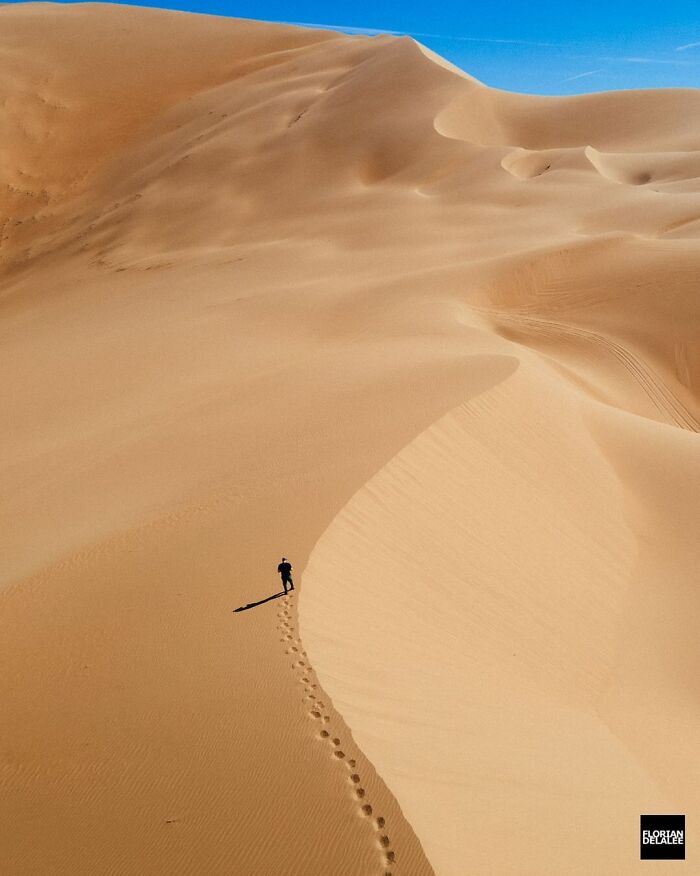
267 290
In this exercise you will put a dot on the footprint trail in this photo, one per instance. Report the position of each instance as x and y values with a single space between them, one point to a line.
316 711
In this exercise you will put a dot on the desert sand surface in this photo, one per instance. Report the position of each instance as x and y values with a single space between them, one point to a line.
274 291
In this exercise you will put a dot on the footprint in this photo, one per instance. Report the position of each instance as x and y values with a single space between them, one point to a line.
339 754
325 734
315 713
355 778
352 763
384 841
391 857
360 792
367 809
380 823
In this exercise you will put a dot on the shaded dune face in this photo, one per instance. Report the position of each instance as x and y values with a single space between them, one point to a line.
267 290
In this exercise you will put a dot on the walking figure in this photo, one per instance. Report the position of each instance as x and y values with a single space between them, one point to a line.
285 570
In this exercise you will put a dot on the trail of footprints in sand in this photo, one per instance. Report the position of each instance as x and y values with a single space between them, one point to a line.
317 712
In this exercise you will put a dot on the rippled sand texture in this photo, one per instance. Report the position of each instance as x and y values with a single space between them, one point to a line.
265 291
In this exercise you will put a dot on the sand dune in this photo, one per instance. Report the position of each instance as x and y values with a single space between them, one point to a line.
268 290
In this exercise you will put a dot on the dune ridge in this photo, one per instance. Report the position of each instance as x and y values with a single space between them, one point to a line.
268 290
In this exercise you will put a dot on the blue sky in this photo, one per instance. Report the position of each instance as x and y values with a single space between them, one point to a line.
544 47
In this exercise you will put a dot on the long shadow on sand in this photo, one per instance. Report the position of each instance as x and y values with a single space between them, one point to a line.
253 604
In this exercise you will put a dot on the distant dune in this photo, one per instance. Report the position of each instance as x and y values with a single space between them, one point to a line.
268 290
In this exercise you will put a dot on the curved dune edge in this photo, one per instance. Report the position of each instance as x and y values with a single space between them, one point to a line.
477 613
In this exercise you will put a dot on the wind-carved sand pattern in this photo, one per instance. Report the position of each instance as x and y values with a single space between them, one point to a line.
317 711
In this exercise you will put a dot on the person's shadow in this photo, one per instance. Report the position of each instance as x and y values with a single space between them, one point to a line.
267 599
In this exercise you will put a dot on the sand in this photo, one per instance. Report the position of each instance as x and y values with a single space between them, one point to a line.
277 291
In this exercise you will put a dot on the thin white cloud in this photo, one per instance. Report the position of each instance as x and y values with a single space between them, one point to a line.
466 39
687 46
370 31
581 75
635 60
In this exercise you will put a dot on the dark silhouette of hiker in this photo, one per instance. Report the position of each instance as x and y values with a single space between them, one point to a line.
285 570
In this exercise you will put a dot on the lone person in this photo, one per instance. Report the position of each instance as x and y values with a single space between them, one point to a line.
285 570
